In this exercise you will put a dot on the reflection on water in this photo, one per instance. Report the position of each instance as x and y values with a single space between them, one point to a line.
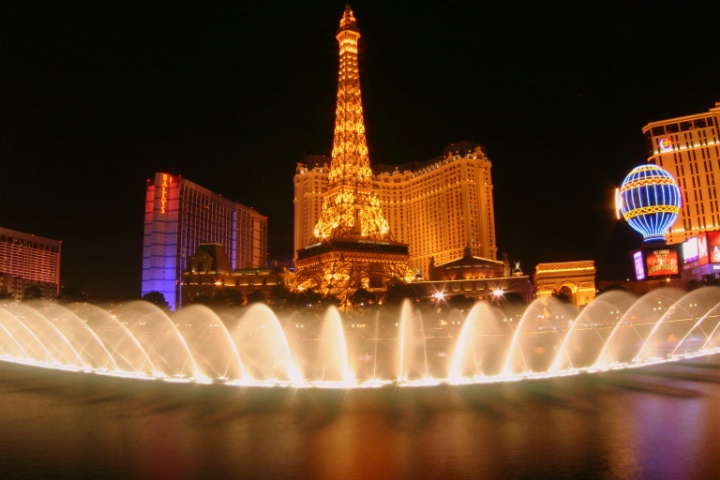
655 423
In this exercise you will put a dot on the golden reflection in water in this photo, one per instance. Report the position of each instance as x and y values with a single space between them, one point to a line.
658 423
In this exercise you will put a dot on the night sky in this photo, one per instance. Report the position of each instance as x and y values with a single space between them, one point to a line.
97 96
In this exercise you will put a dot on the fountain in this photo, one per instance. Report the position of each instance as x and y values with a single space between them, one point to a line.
254 347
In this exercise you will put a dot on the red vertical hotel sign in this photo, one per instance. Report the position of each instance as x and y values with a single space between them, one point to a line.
713 246
166 181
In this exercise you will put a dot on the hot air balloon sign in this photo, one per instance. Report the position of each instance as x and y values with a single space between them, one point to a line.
649 200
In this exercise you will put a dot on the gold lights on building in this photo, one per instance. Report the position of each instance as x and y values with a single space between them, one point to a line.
351 245
356 226
688 148
575 279
438 207
350 205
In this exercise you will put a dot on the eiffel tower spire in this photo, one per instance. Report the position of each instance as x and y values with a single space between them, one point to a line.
353 248
351 207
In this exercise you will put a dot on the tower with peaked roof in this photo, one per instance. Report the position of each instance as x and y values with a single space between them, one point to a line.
353 246
351 205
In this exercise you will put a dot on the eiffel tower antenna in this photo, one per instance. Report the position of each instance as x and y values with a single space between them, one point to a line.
353 246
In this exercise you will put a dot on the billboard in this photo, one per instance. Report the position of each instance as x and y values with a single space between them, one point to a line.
695 252
639 265
690 253
703 257
662 262
713 246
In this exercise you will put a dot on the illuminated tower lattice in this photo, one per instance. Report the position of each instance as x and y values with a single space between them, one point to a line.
351 205
353 245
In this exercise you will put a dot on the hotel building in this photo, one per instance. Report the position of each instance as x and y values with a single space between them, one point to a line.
179 216
210 278
310 181
27 259
689 149
438 207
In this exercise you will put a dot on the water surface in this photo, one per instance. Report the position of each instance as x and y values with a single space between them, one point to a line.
659 422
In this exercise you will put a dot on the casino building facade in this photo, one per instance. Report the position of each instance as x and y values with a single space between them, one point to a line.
352 244
28 260
689 149
438 207
361 226
179 216
210 278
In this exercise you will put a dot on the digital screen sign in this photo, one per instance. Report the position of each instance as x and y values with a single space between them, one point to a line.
713 246
695 252
690 251
662 262
702 241
639 265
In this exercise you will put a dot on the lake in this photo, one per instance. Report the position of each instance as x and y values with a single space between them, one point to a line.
659 422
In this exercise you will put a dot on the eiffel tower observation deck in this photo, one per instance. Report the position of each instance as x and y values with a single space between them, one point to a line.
353 245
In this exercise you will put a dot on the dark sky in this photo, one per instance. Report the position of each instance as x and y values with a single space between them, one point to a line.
97 96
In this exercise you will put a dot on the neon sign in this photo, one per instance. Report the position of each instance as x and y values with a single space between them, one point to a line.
690 250
662 262
618 204
695 252
700 250
166 181
703 258
713 245
639 268
650 201
665 144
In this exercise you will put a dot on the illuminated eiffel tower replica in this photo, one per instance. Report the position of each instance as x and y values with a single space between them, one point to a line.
353 246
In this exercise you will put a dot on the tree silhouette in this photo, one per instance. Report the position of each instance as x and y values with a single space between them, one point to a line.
70 294
234 298
32 292
611 287
305 299
280 296
158 299
461 302
398 290
257 296
362 297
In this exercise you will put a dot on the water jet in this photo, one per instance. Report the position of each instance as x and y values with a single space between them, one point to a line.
254 347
